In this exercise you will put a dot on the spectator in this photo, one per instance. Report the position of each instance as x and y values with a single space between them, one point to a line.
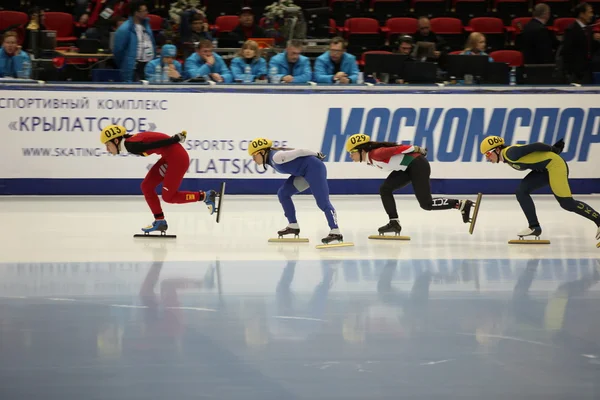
538 43
134 43
249 55
424 34
247 29
579 44
105 17
335 65
193 27
166 63
13 61
81 26
406 46
206 64
476 46
292 64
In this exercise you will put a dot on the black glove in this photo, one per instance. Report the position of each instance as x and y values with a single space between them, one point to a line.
321 156
181 137
559 146
421 150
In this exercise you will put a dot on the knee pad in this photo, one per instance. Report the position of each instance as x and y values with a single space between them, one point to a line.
385 189
167 196
426 206
568 203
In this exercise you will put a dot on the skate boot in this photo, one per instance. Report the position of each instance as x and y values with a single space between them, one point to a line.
465 210
392 226
210 199
598 234
160 225
291 229
531 231
334 234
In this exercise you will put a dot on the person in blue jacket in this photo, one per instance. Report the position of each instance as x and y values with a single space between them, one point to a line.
249 56
134 44
335 65
291 65
205 63
168 67
307 169
14 63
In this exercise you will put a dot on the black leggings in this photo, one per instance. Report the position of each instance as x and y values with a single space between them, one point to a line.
417 173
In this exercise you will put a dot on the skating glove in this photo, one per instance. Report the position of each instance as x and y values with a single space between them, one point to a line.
321 156
421 150
182 136
558 147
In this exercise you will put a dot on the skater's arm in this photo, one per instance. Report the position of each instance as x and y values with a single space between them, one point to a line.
284 156
141 147
515 152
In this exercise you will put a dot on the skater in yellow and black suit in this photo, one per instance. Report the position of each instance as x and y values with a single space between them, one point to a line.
548 168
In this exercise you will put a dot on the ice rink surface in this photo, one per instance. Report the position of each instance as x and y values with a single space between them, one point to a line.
87 311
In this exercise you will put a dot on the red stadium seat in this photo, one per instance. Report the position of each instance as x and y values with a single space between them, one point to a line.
62 23
511 57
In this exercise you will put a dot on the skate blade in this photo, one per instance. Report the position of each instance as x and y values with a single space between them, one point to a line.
598 245
529 241
221 193
333 245
389 237
155 236
288 240
475 213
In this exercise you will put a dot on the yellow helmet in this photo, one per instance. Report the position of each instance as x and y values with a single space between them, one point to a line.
259 144
490 143
111 132
356 140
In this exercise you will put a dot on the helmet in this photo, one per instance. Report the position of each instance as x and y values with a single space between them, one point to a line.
490 143
356 140
259 144
112 132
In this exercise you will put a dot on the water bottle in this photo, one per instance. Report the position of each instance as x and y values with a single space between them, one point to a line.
513 76
165 74
215 43
273 74
25 70
247 74
361 78
158 73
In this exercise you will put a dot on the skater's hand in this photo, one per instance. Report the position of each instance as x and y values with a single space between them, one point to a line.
321 156
421 150
182 136
559 146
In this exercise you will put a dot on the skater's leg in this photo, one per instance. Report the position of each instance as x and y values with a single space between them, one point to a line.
396 180
559 183
285 193
532 181
176 169
419 172
316 176
149 184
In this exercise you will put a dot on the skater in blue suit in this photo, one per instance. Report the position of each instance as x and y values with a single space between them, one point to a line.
307 170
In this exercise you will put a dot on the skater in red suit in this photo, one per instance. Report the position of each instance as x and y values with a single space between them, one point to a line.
169 170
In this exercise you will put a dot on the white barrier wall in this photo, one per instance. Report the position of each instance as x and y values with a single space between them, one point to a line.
51 137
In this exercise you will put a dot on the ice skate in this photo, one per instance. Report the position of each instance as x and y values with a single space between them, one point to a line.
210 199
598 234
535 231
465 210
530 235
291 229
159 226
334 236
392 226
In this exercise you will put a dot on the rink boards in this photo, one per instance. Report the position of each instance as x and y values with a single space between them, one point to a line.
51 134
